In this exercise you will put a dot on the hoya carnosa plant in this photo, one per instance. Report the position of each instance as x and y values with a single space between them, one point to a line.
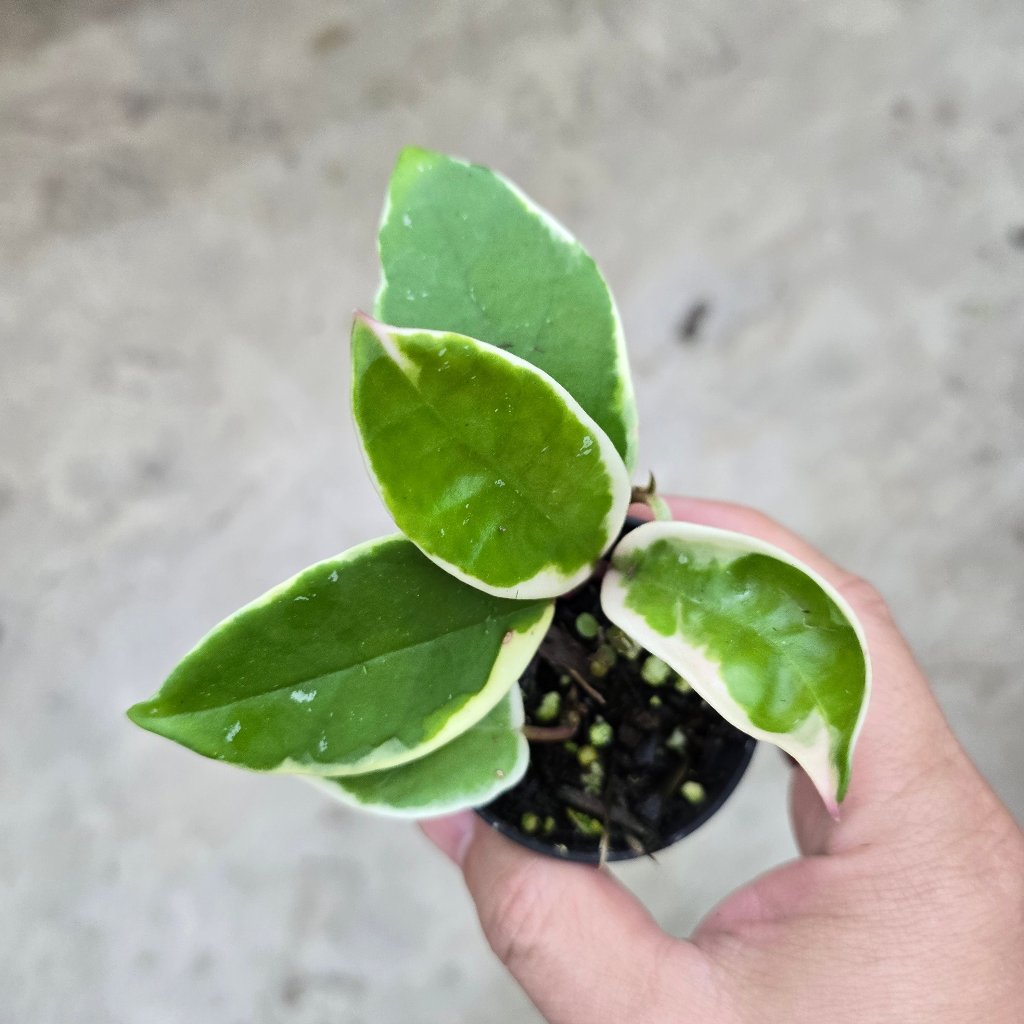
493 402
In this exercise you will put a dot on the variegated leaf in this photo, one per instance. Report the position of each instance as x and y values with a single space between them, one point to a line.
767 642
484 461
361 662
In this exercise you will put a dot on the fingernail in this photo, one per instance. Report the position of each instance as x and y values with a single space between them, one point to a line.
451 835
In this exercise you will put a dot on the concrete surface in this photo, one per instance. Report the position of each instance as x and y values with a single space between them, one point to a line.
188 197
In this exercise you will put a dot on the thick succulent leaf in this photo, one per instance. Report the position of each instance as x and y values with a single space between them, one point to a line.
469 771
464 250
763 639
365 661
486 463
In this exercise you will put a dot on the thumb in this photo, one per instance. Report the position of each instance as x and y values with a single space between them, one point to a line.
582 946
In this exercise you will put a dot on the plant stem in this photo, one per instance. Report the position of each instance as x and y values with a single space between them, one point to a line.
597 808
648 495
578 676
659 507
552 733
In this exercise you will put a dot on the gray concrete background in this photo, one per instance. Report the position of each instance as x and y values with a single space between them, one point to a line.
188 198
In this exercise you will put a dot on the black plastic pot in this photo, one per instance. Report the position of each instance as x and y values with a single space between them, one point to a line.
639 797
722 779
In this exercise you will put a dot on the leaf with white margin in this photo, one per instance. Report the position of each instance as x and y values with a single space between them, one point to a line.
361 662
470 771
463 249
767 642
487 464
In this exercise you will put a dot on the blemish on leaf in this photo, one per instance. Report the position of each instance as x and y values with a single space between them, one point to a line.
301 597
334 576
302 696
233 732
507 638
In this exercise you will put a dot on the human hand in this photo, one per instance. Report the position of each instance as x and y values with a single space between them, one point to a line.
909 908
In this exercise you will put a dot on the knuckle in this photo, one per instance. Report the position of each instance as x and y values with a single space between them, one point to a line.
756 521
1004 864
863 596
762 520
517 918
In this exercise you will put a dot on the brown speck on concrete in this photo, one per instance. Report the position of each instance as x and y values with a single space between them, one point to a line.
335 172
901 110
330 39
689 329
946 111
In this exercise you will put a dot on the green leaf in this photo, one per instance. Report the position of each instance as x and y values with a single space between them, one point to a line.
365 661
485 462
469 771
763 639
464 250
